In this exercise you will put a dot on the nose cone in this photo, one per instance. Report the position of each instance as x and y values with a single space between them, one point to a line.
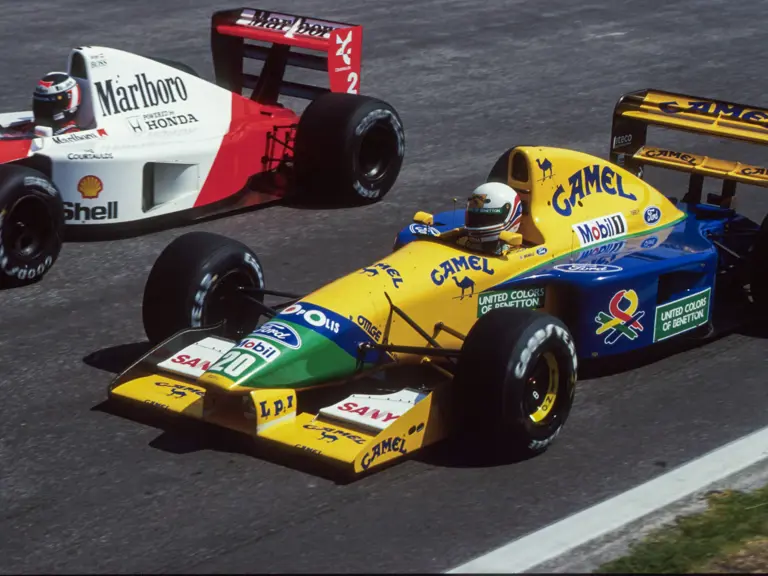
302 346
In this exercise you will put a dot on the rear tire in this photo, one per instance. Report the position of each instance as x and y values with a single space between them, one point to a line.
31 225
349 149
515 382
758 271
193 284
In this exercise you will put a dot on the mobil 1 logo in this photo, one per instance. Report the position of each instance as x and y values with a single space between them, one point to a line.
681 315
600 229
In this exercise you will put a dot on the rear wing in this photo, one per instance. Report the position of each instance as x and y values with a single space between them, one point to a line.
340 43
635 111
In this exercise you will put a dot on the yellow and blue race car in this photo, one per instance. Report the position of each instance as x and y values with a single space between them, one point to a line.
437 341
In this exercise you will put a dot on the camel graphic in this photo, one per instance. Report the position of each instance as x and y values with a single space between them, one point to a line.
465 283
177 393
546 167
326 436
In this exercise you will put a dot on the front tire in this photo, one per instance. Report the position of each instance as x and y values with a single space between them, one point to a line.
195 283
349 149
515 382
31 225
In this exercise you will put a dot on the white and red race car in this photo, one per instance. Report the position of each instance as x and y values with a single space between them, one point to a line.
159 144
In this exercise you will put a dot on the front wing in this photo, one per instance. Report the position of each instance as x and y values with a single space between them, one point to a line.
356 433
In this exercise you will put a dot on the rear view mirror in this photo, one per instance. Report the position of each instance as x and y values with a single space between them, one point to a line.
424 218
511 238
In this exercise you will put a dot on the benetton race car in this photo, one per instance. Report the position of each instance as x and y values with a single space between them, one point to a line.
603 264
158 143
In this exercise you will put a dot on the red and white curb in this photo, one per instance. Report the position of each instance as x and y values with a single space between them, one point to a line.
611 515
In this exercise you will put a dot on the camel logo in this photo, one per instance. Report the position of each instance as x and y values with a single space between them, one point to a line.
451 268
465 284
332 434
328 436
546 169
90 187
374 271
179 390
477 201
589 180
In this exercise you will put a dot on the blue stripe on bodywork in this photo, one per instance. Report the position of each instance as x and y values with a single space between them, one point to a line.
348 335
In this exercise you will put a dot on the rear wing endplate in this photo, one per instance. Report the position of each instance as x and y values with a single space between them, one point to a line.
340 43
635 111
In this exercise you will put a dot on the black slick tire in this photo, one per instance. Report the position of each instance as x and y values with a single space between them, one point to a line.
31 225
194 283
349 150
508 355
758 272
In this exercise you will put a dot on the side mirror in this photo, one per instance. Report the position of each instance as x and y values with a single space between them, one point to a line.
424 218
43 131
511 238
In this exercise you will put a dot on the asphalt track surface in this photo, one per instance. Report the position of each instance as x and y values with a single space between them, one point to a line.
84 490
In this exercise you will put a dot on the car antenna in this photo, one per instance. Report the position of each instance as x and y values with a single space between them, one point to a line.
454 210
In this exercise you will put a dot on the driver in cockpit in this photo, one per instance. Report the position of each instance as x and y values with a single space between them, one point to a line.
55 103
493 208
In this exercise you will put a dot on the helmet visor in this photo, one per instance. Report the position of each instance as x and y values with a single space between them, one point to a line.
45 108
487 217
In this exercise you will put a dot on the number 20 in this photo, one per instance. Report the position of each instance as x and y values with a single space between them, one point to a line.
233 363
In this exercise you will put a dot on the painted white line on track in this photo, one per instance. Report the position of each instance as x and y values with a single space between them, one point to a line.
602 519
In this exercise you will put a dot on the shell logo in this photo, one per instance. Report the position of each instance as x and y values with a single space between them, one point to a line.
90 186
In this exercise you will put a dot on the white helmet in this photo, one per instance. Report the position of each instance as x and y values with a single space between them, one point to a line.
492 208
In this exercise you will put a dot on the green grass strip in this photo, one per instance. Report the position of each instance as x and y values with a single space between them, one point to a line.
732 520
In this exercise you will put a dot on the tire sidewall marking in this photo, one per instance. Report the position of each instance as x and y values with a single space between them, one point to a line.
540 338
45 260
363 125
245 261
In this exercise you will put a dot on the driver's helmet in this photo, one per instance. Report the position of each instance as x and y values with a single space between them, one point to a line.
492 208
56 100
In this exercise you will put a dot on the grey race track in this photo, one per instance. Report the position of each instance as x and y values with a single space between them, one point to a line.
83 490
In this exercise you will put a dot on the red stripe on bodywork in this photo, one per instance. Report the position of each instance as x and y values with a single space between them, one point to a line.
11 150
244 148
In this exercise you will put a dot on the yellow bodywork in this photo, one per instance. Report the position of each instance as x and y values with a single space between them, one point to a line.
437 281
690 114
434 280
700 115
271 415
430 295
703 165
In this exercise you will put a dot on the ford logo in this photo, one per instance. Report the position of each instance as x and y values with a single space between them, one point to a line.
279 332
423 230
588 268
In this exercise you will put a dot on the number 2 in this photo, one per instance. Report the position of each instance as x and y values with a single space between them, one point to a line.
352 78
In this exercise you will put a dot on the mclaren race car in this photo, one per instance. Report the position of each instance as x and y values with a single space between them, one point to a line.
436 341
158 144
